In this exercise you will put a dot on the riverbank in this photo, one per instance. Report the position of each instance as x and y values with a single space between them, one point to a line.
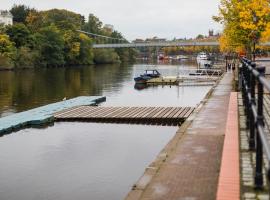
188 167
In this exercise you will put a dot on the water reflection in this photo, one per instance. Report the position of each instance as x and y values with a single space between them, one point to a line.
83 160
77 160
25 89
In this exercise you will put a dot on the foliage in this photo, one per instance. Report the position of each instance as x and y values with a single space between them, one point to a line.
20 13
19 34
105 56
94 25
86 55
51 47
50 38
245 23
25 58
6 46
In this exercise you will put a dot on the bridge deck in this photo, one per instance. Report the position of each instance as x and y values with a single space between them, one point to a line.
140 115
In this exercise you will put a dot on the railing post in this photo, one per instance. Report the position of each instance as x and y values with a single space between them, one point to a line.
247 94
251 115
260 122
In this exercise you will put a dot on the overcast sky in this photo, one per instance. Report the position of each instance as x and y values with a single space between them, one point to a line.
140 18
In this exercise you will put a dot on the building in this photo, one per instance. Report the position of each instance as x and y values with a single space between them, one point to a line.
6 17
109 27
155 39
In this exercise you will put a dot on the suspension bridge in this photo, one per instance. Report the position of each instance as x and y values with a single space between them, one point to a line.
113 42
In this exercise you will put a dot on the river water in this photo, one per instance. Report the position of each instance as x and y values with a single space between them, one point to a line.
83 160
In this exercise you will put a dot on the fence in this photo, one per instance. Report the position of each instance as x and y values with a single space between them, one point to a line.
250 77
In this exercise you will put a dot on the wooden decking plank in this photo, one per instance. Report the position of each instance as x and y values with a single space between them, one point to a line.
174 112
121 114
89 113
105 112
164 113
131 114
75 113
159 109
151 112
116 110
178 112
189 112
101 112
69 112
143 112
62 112
138 112
183 113
158 113
169 112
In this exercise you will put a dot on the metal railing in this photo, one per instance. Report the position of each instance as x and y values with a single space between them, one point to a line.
250 77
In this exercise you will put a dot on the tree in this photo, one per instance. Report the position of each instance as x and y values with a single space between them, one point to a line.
51 47
20 13
7 51
105 56
200 36
86 56
19 34
94 25
245 23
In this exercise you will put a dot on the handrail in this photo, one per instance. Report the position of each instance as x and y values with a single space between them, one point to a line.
250 76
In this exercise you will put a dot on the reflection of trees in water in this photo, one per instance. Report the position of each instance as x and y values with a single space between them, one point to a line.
25 89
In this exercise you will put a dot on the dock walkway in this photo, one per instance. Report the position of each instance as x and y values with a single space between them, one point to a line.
188 167
138 115
43 114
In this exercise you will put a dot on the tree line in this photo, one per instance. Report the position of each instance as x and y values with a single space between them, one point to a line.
50 39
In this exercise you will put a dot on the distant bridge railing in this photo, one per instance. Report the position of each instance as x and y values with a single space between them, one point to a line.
251 76
160 44
155 44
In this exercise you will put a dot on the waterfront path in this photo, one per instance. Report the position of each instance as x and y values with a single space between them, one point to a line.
189 166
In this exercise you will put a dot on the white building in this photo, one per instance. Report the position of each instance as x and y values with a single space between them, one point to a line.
6 17
109 27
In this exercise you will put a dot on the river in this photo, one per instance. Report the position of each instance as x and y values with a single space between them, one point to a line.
83 160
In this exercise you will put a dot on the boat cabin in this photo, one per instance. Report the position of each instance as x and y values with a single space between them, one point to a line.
152 73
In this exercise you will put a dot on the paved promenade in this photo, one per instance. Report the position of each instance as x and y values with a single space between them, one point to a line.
188 168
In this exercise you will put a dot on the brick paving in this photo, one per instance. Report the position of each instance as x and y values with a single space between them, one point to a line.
190 167
229 178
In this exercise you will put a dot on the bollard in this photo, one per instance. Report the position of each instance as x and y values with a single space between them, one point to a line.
260 122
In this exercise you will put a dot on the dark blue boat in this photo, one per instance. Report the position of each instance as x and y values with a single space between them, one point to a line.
148 74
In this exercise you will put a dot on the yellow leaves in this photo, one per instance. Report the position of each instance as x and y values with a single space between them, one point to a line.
266 34
245 22
75 48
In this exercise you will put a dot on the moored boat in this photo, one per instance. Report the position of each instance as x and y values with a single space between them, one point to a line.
148 74
202 56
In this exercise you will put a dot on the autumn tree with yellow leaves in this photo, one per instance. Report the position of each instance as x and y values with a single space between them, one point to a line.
246 23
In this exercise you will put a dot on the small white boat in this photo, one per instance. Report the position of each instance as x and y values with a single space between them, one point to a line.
202 56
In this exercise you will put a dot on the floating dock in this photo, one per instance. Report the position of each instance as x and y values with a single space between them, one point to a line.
132 115
43 114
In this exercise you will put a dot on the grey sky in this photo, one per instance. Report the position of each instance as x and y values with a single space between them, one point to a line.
140 18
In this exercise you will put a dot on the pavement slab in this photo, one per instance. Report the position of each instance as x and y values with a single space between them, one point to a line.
191 169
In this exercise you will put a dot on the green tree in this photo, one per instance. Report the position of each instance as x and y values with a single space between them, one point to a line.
86 56
105 56
7 51
19 34
50 44
20 12
6 46
94 25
